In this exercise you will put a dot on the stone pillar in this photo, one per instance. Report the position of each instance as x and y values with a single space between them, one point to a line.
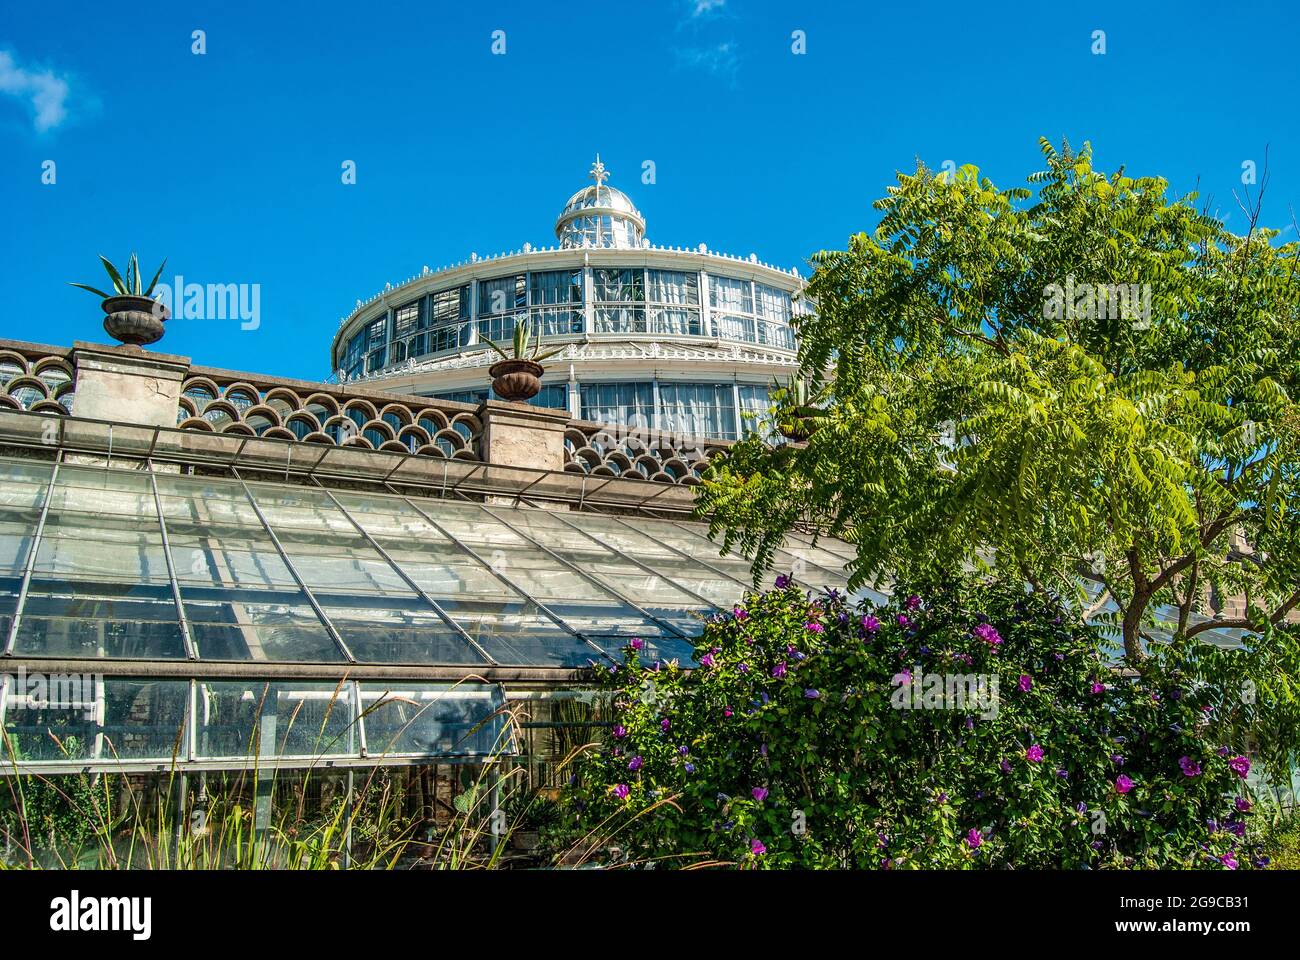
519 435
127 385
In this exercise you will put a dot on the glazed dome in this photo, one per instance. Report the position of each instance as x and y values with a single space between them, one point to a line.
600 216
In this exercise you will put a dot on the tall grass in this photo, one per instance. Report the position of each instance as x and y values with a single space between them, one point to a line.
124 821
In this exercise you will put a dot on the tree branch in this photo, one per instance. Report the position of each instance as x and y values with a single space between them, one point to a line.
1245 623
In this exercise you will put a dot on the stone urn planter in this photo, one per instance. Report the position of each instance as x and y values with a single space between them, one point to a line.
516 380
133 320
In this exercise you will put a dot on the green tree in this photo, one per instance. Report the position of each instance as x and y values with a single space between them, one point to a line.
1078 382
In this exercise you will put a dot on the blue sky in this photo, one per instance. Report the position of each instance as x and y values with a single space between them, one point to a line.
229 163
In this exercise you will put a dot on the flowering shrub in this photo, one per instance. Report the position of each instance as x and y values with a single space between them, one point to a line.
811 733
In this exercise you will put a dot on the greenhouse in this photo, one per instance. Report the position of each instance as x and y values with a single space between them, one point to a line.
209 604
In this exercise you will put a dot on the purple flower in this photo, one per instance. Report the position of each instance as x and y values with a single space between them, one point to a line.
706 660
779 670
743 667
870 624
690 768
782 582
1098 687
1117 759
726 711
682 750
635 764
759 793
811 694
664 724
1243 804
902 620
1034 754
1222 751
1006 766
989 634
1240 766
1237 829
1026 683
1189 766
973 839
620 732
762 748
621 791
913 602
813 626
637 643
1228 860
1063 774
1123 783
756 847
740 613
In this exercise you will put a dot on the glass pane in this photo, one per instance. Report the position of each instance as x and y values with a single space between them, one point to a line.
435 720
50 717
654 592
379 632
145 719
24 487
270 627
696 577
137 622
501 619
264 719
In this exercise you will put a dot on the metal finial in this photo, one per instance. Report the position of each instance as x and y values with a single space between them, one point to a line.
598 172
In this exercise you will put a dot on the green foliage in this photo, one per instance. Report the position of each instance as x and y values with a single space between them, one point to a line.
520 345
132 285
984 408
1280 835
790 744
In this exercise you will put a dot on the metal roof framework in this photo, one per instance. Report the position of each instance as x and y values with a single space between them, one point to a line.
202 596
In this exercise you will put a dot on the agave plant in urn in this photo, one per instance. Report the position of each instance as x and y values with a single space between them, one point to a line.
798 415
519 377
133 316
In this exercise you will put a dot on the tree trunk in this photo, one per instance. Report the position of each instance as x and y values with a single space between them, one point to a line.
1132 630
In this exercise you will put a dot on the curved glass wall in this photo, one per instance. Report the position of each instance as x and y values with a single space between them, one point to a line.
625 300
711 410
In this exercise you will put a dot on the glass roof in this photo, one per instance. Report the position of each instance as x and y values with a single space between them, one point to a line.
122 563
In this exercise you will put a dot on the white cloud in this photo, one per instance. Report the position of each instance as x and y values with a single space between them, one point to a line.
46 92
700 8
720 60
